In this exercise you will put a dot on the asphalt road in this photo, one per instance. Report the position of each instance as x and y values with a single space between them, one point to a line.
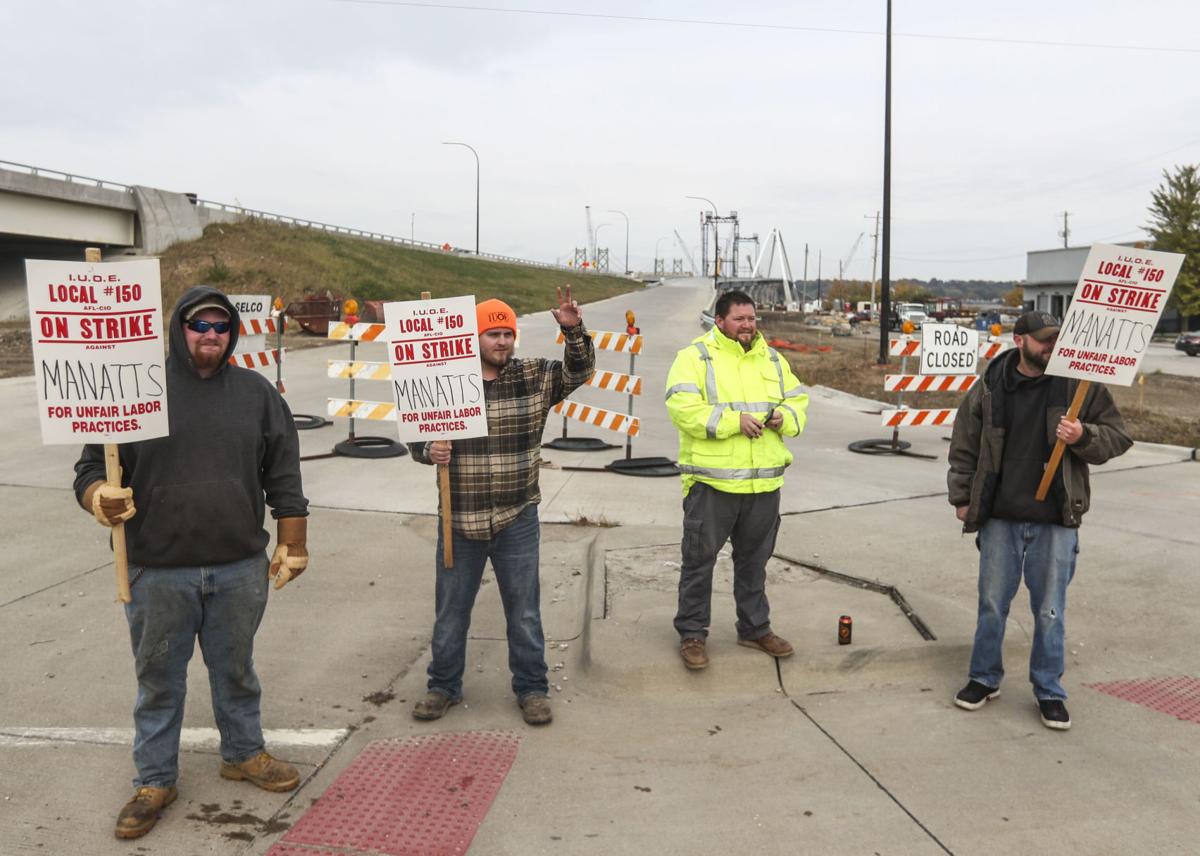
1162 357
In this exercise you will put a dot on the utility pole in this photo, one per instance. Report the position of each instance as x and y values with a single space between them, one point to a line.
874 257
1066 232
806 271
818 280
886 270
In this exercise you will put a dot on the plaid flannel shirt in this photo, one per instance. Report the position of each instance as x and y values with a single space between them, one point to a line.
493 478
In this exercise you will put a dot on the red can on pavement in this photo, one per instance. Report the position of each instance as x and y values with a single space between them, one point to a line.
845 629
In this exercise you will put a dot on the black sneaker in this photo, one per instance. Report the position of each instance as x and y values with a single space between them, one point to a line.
975 695
1054 714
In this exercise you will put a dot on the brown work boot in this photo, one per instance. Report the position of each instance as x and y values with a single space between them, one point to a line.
692 651
535 710
433 706
139 815
268 773
771 644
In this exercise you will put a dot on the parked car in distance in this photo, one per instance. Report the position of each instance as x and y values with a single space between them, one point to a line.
1189 343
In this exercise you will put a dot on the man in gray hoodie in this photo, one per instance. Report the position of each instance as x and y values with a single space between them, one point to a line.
196 548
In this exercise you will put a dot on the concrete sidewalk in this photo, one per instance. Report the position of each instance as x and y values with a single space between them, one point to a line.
839 750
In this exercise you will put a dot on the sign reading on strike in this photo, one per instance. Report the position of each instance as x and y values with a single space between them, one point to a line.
1117 303
433 350
947 349
98 350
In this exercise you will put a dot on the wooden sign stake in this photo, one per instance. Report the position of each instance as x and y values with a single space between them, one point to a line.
443 472
1059 446
112 475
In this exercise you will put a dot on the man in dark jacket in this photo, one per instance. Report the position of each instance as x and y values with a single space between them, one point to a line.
196 545
1003 435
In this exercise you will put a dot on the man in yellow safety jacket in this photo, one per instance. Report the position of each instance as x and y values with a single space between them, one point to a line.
733 400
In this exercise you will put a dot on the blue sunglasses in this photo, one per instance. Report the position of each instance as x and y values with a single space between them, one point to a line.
198 326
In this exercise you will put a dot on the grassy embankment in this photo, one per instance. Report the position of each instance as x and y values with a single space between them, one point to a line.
270 258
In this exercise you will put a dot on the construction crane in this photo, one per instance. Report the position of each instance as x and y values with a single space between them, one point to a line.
683 248
842 265
591 236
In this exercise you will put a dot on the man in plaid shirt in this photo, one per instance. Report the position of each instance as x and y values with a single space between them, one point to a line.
494 497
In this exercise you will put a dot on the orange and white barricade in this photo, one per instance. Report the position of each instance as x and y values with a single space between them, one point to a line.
908 346
256 322
629 384
352 408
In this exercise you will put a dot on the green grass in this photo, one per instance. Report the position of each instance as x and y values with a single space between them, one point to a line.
270 258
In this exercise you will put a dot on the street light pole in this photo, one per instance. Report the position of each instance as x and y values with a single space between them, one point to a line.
464 145
626 216
412 229
716 238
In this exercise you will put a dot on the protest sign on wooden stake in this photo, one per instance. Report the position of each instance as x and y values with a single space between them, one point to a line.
1107 330
98 360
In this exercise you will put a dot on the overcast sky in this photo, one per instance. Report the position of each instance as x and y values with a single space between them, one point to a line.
1004 116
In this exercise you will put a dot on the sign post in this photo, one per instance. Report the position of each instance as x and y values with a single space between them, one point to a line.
437 380
98 361
1118 300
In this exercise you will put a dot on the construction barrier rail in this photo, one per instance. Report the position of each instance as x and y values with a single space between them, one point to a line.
622 423
904 416
928 383
375 410
912 348
625 343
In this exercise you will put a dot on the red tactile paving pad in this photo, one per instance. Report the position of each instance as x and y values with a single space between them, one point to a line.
421 796
1180 696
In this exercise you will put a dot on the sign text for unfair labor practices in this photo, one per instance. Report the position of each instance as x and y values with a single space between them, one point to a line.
433 350
98 350
947 349
1116 306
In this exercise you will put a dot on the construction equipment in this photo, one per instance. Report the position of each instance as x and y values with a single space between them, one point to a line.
842 265
686 253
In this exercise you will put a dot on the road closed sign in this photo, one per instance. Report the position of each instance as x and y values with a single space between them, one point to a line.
97 350
947 349
1118 300
433 351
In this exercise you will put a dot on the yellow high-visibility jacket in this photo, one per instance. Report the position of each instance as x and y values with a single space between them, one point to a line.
712 382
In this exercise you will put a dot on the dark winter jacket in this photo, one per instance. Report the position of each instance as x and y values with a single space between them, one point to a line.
201 492
977 444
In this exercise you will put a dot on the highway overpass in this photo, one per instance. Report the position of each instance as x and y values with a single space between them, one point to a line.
46 214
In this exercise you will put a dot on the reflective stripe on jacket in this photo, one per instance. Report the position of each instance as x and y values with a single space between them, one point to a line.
712 382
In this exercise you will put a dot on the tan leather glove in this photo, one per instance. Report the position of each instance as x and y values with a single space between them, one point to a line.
110 505
291 550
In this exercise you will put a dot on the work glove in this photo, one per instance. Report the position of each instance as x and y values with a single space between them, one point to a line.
108 503
291 550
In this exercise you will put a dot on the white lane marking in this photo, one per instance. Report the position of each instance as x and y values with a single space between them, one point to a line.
191 738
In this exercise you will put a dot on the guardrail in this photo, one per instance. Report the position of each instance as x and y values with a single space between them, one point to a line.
69 177
283 218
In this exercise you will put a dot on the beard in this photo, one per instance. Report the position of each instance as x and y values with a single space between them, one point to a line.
208 360
1035 357
496 361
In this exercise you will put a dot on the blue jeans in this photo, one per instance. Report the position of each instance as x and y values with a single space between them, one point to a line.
514 555
222 605
1045 555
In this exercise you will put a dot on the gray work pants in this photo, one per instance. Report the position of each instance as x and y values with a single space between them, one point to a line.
750 521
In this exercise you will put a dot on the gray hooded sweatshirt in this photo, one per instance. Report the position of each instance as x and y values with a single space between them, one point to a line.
201 493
